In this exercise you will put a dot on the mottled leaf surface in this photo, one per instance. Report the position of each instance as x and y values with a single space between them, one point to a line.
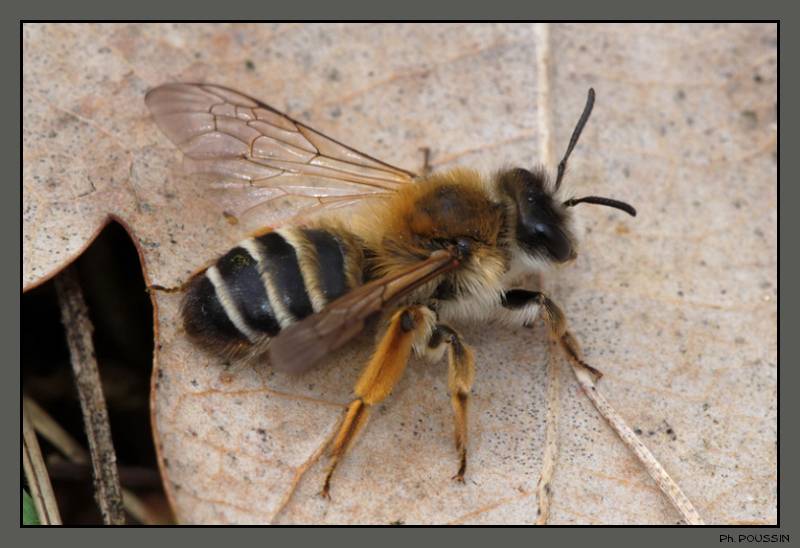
676 306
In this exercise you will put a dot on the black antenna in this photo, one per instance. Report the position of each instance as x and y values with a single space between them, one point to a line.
587 110
599 200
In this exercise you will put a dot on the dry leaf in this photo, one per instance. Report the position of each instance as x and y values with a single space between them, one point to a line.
677 306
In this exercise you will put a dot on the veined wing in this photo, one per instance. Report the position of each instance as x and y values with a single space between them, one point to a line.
263 159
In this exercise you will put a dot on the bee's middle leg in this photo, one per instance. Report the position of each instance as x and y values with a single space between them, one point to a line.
460 375
410 326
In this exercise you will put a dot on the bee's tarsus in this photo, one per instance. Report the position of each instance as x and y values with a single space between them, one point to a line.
554 319
325 493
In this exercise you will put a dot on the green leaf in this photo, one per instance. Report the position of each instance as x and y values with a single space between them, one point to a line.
29 516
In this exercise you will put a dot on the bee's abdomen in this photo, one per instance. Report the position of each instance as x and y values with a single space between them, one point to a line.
267 283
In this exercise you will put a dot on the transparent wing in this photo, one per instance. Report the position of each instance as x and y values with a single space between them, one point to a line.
300 346
265 162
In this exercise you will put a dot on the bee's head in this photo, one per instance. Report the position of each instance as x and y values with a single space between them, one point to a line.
540 223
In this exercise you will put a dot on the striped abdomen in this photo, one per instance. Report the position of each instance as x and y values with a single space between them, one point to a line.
267 283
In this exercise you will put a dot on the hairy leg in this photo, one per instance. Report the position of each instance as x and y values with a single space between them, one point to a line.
521 300
407 327
460 375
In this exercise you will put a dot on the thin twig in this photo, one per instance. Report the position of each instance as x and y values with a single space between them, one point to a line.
543 487
544 112
544 105
38 481
629 438
50 430
78 327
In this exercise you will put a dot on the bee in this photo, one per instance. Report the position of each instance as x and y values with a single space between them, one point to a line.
416 254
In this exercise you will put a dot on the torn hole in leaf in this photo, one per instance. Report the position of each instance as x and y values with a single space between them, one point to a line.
122 318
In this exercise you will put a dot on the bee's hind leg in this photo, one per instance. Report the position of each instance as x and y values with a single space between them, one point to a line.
460 375
522 302
408 327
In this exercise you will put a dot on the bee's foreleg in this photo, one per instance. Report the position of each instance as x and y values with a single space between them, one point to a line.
460 375
522 300
408 326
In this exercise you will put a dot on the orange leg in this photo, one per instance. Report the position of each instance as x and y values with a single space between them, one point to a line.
407 327
460 375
